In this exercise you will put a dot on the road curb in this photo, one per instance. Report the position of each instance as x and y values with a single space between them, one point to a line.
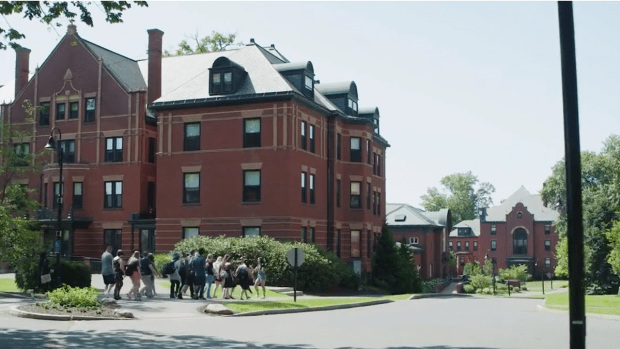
15 311
591 315
303 310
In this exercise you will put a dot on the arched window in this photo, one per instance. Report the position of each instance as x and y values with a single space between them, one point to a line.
519 241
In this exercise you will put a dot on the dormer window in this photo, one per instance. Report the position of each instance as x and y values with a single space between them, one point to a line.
226 76
353 105
309 82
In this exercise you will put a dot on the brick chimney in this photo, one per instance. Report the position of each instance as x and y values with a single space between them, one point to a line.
22 62
155 54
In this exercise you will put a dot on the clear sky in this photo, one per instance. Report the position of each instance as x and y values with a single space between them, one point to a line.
461 86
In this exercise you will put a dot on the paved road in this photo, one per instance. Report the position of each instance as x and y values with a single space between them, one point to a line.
437 323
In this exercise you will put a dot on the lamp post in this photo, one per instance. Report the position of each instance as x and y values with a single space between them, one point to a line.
55 145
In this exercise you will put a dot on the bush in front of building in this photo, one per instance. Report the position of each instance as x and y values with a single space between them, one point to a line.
320 271
74 274
481 281
515 272
85 298
468 289
27 277
161 259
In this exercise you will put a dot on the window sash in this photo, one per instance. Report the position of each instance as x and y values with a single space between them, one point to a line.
308 82
312 142
356 151
493 245
75 108
368 151
189 232
303 135
191 188
249 232
338 192
303 187
60 111
356 195
113 197
304 234
89 111
312 189
251 133
44 114
368 196
77 194
355 243
191 140
251 186
114 149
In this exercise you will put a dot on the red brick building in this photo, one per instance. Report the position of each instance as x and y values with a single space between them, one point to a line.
463 241
426 234
246 143
518 231
252 144
97 99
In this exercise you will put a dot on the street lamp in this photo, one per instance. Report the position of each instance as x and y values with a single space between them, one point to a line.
54 144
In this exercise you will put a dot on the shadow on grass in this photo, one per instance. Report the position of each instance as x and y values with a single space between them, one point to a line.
13 339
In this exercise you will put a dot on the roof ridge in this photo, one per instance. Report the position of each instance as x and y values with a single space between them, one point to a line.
106 49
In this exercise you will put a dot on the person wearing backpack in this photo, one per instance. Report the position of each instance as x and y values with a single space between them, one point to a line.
187 276
244 279
198 267
175 278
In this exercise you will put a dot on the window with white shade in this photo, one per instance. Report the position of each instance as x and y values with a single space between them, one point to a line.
114 149
113 194
251 186
356 149
356 196
251 133
191 188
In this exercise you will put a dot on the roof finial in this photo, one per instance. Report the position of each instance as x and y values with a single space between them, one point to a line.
71 29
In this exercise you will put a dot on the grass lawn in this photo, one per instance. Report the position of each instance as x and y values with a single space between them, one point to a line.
247 306
8 285
536 286
608 304
397 297
236 292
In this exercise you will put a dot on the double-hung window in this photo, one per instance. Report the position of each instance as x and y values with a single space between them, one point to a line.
466 245
339 146
308 83
78 188
312 230
374 202
68 151
368 196
312 143
368 151
356 195
113 194
493 229
60 111
304 234
356 149
251 133
547 245
192 137
303 187
190 232
547 228
89 112
378 165
312 189
22 150
44 114
114 149
58 189
547 262
251 186
458 245
75 110
191 188
378 203
249 232
338 192
303 135
228 85
450 246
493 245
475 245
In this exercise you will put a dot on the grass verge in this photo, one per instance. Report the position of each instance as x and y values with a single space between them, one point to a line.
607 304
236 292
537 285
244 307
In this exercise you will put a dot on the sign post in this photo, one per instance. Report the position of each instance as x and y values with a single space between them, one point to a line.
295 258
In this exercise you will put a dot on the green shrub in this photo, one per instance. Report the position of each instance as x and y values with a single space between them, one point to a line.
472 269
161 259
515 272
429 286
81 298
320 271
487 290
480 281
468 289
74 274
524 288
27 273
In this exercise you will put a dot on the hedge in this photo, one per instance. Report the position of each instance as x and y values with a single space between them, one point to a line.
74 274
321 270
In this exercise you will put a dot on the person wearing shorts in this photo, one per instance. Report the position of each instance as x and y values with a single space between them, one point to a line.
107 271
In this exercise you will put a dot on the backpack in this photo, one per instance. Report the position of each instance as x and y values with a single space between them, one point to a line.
183 267
129 269
168 268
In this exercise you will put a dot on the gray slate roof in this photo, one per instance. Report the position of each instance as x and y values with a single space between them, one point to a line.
413 216
124 70
532 202
282 67
334 87
473 224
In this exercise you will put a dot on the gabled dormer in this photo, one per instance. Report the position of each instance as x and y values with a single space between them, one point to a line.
225 77
342 94
372 114
300 75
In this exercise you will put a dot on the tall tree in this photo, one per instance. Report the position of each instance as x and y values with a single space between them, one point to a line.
600 190
461 196
210 43
51 12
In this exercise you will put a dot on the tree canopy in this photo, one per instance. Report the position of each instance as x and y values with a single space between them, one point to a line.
461 196
51 12
600 190
210 43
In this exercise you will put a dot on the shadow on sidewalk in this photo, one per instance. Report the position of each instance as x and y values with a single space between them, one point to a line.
11 339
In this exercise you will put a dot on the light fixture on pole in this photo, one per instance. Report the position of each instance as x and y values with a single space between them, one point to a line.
55 145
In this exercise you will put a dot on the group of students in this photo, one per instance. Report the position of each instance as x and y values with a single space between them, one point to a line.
138 269
193 272
198 274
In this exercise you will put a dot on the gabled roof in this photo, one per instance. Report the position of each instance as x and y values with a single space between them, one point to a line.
532 202
473 224
123 69
412 216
